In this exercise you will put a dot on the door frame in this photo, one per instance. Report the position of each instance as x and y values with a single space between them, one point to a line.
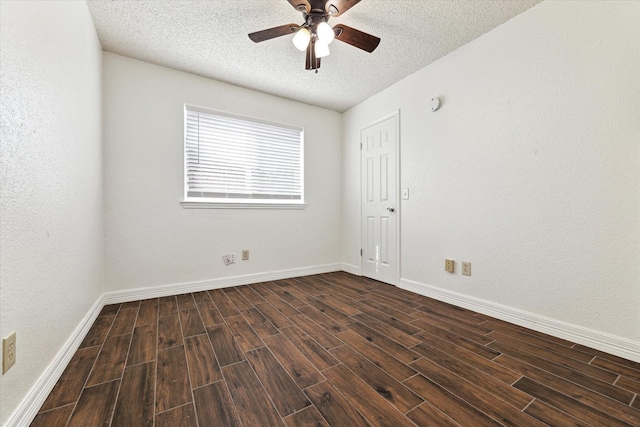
395 115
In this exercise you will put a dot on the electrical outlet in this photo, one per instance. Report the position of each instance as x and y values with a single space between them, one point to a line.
449 265
466 268
229 259
8 352
245 254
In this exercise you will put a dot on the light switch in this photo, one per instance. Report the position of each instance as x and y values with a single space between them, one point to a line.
405 194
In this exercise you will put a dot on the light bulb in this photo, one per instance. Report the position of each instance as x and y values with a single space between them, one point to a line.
301 39
325 32
322 49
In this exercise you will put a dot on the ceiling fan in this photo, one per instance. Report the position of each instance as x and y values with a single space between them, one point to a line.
315 34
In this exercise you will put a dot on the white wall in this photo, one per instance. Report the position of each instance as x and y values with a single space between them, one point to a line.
51 221
150 239
530 170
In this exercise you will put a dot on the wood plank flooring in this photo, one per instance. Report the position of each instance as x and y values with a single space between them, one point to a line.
331 350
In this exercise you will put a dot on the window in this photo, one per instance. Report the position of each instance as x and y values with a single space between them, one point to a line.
232 161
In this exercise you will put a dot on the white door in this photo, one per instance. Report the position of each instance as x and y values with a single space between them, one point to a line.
379 201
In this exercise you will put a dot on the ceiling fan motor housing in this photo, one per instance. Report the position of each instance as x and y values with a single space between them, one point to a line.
314 18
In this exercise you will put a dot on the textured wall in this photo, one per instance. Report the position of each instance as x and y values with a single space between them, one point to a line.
530 170
150 239
51 229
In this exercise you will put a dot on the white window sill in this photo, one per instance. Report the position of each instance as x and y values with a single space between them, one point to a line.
191 204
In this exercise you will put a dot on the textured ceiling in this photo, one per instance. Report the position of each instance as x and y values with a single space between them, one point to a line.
209 38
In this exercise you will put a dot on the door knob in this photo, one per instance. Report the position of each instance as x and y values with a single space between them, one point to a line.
391 209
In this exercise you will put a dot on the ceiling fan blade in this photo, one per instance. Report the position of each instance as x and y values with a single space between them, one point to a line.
356 38
300 5
271 33
338 7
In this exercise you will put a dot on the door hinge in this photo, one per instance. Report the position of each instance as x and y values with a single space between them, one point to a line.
361 146
360 252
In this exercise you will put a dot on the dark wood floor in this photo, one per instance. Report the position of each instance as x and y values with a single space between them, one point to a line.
331 349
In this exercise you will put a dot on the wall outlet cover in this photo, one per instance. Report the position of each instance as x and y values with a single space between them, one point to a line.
228 259
8 352
466 268
449 265
245 254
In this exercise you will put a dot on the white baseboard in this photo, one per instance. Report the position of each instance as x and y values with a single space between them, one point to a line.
352 269
28 408
608 343
204 285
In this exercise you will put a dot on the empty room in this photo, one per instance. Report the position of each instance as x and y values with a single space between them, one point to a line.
320 213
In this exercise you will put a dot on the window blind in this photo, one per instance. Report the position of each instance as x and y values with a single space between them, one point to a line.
234 159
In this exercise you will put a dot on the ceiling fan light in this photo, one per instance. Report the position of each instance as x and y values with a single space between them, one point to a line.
322 49
325 33
301 39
